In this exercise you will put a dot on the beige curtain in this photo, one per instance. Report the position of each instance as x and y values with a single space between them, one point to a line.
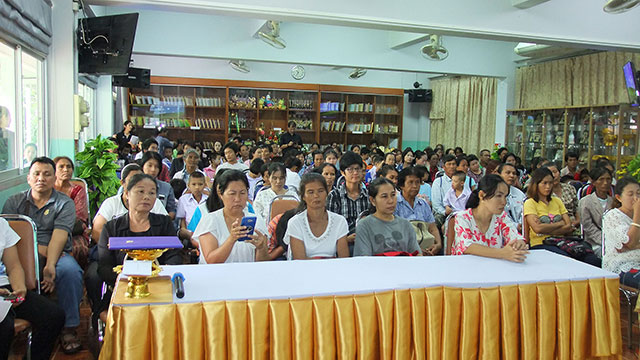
463 112
594 79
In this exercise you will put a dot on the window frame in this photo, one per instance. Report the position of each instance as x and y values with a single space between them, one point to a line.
16 176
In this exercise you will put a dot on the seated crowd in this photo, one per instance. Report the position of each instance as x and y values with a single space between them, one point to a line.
364 202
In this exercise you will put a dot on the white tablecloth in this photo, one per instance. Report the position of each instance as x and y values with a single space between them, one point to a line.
304 278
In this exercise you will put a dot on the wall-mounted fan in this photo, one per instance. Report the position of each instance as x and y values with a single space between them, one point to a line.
239 65
620 6
270 33
357 73
434 49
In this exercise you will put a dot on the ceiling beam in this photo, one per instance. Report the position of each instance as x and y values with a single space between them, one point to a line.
525 4
400 40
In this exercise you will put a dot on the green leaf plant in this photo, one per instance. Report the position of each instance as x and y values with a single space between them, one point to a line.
97 165
632 168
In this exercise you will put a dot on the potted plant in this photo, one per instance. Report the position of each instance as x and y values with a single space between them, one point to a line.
631 169
97 166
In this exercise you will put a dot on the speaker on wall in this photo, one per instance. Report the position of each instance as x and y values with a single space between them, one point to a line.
135 78
419 95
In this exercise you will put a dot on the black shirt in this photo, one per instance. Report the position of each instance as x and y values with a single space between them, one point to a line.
123 139
161 225
177 164
286 138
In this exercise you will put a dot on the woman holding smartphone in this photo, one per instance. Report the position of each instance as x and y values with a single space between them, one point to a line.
221 235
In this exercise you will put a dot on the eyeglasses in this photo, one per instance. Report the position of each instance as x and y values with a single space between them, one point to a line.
353 169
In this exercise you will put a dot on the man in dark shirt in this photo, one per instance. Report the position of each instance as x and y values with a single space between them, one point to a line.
290 140
54 214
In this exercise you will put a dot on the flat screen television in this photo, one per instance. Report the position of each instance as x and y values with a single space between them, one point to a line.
631 82
135 78
105 44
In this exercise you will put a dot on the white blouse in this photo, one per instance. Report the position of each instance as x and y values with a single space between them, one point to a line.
321 246
615 226
501 232
214 224
262 202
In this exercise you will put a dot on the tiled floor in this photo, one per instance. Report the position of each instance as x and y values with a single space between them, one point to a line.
629 354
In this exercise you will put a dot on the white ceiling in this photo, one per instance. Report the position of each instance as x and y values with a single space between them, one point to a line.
564 22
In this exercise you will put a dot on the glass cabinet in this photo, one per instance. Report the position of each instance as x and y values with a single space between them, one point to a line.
578 125
592 132
554 135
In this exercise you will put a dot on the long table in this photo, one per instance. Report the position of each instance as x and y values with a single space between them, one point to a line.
445 307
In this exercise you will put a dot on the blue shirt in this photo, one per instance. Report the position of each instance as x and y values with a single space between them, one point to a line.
425 189
439 189
420 210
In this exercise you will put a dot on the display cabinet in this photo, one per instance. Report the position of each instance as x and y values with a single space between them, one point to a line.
515 131
214 110
190 113
578 134
609 131
533 134
553 138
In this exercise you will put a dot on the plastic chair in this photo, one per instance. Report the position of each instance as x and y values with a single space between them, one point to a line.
280 204
28 253
525 230
451 233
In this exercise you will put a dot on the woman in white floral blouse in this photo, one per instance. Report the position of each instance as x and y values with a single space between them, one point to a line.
621 232
484 229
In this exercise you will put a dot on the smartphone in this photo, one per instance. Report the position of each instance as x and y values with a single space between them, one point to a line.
9 297
250 223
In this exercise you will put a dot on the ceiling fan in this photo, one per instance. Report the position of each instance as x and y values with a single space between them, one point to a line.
357 73
271 35
239 65
620 6
434 49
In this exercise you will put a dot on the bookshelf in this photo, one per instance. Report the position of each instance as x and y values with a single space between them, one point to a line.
210 110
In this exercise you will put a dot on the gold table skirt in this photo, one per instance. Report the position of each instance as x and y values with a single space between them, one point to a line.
563 320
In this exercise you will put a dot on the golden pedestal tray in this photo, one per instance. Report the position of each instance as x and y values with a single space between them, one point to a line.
142 248
138 287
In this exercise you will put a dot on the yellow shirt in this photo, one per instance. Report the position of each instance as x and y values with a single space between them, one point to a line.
539 208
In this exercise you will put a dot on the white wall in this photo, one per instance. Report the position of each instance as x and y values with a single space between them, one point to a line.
416 124
104 107
61 80
208 68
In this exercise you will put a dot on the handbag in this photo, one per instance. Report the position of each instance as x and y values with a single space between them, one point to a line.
424 237
573 245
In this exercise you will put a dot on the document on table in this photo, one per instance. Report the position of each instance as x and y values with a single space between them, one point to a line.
136 268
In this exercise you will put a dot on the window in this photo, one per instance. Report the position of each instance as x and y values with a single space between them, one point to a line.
22 110
7 108
32 109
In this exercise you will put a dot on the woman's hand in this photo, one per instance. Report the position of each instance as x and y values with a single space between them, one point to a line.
518 245
259 240
511 254
636 210
237 231
432 250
